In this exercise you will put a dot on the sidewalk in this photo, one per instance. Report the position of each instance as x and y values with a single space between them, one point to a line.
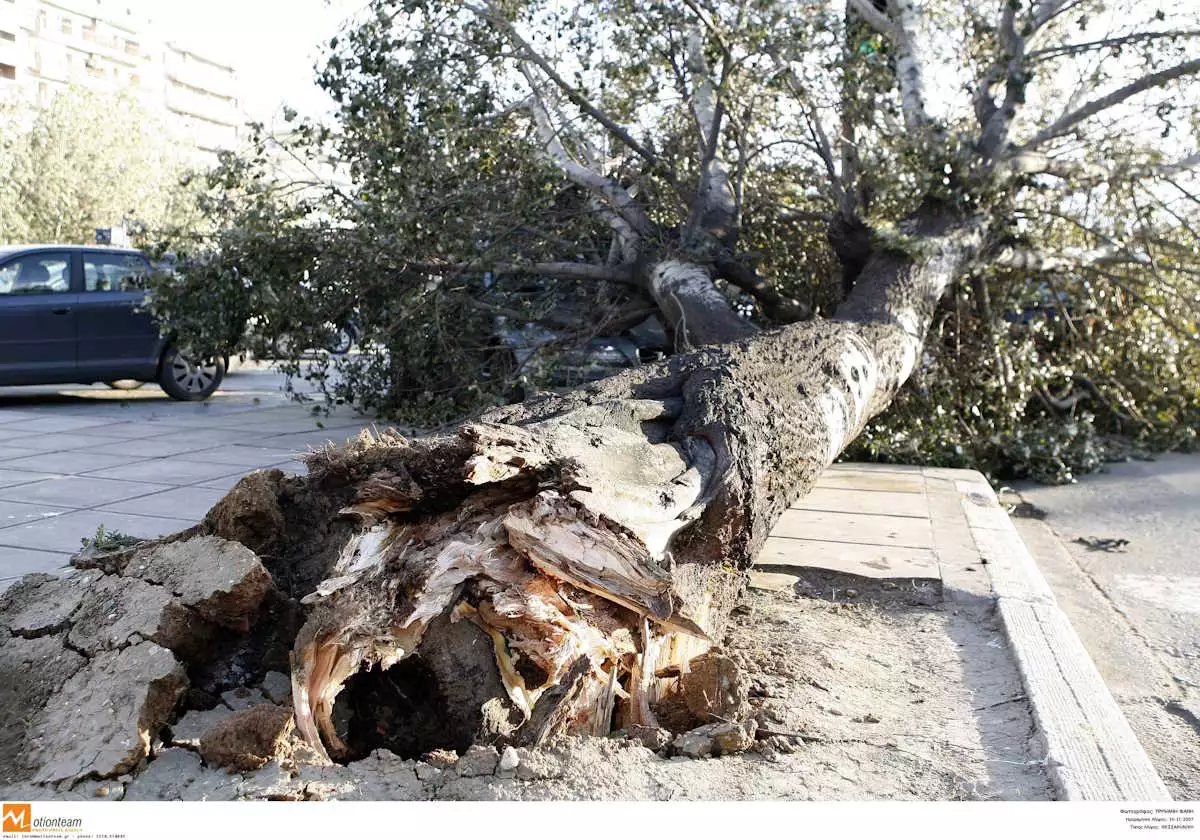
136 461
939 537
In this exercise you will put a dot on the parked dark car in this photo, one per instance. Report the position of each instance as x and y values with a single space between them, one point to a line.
71 313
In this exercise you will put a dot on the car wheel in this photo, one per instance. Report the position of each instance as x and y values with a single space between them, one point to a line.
341 341
184 377
125 384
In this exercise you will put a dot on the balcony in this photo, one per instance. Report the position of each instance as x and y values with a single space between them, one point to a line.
12 20
194 72
193 103
11 52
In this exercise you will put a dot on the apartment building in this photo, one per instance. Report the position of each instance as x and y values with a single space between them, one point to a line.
46 45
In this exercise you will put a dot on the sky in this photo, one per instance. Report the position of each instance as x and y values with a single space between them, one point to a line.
273 43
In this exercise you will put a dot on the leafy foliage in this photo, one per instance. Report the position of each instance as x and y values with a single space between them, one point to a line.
439 214
87 160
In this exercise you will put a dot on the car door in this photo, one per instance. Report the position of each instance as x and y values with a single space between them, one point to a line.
37 318
118 339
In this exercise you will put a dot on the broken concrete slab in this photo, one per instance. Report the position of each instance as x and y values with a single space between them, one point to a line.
223 581
39 604
180 774
103 719
115 610
381 776
31 671
478 761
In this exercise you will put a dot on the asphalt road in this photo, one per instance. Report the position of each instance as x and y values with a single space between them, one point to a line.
1121 550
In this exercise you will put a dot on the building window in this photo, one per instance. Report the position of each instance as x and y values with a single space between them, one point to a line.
89 31
68 27
7 71
135 80
131 47
41 20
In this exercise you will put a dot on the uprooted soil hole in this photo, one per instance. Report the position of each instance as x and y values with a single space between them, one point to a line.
401 709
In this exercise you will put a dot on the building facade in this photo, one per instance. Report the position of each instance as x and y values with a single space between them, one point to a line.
48 45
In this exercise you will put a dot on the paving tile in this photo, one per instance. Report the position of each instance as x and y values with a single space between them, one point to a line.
289 467
56 441
11 478
301 442
78 491
281 426
157 447
130 430
67 463
874 561
247 456
12 415
864 501
19 513
868 529
223 484
190 503
172 471
48 423
65 533
8 435
9 452
206 436
17 562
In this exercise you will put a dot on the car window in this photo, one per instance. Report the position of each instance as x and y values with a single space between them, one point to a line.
114 272
36 274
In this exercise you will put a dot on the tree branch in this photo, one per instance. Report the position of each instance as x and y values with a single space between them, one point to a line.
1034 260
490 14
1067 122
994 121
871 16
1107 43
823 148
1048 10
714 208
774 305
910 70
630 217
570 270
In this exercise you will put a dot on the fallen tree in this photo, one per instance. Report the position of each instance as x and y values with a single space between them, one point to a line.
599 537
565 565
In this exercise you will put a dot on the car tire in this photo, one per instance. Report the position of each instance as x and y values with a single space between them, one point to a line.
183 379
125 384
342 340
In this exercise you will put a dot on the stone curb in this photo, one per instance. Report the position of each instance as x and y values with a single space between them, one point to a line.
1091 751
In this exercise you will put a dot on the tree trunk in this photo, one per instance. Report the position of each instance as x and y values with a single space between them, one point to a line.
597 539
